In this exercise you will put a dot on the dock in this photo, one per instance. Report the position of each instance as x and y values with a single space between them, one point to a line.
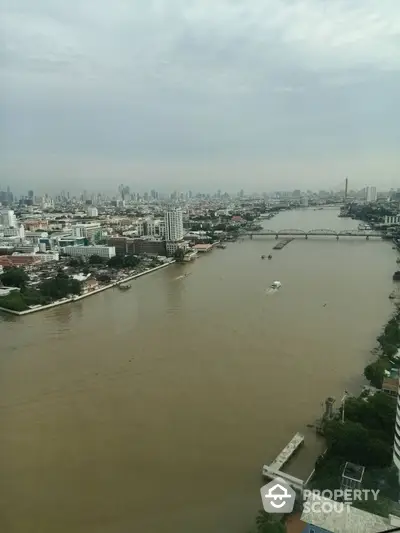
294 482
287 452
274 469
282 244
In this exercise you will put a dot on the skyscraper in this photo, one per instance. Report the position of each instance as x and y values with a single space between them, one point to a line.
174 224
371 194
174 230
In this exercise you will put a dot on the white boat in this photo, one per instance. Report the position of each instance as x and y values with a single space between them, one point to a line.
276 285
361 227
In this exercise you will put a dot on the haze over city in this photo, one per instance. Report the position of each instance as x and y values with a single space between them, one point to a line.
270 94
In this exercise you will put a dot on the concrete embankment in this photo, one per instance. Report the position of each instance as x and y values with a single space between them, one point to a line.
86 295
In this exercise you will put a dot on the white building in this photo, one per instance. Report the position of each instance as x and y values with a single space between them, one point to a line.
80 231
174 230
8 218
86 251
174 225
392 219
371 194
43 257
304 201
92 211
13 232
26 248
150 227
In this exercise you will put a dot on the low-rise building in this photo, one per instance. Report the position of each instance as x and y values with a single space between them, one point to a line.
105 252
151 227
19 260
137 246
92 211
45 257
392 220
87 231
390 383
322 516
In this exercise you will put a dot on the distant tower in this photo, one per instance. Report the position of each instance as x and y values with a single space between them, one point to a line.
329 402
346 186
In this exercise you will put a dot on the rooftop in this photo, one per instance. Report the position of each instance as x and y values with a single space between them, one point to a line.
348 520
393 373
353 471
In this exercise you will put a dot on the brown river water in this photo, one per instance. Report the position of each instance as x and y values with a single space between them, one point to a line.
155 409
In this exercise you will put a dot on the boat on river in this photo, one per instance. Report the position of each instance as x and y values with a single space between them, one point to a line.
276 285
270 256
124 287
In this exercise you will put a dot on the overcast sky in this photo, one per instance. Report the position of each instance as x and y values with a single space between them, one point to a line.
199 94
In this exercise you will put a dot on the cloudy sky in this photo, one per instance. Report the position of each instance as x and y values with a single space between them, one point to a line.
199 94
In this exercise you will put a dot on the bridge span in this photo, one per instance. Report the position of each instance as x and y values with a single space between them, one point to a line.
315 233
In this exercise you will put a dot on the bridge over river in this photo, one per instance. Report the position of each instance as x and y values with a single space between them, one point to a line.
366 234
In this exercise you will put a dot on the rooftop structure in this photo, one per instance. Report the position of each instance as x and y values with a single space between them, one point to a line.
348 519
352 476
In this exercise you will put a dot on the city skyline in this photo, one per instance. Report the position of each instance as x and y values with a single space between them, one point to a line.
274 94
8 196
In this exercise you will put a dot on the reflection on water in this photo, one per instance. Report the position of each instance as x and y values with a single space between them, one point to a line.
174 393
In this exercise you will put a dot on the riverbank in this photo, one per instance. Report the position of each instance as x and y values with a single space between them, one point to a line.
364 434
86 295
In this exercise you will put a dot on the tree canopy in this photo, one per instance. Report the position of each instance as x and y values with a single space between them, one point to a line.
266 523
60 287
96 260
14 277
127 261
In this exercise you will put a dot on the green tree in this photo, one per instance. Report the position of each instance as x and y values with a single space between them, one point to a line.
131 261
14 277
266 523
375 372
60 287
75 287
116 262
13 301
104 278
95 260
353 442
179 255
76 262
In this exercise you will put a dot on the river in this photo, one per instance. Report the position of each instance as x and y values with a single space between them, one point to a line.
154 410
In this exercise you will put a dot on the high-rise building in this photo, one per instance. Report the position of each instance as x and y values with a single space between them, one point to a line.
174 230
396 447
371 194
8 218
174 224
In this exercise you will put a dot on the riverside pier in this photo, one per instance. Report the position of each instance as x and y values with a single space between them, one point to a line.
273 470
